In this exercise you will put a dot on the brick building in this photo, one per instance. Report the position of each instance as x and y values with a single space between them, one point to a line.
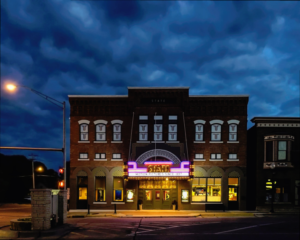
156 146
273 163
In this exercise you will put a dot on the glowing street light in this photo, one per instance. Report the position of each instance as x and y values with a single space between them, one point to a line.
11 87
40 169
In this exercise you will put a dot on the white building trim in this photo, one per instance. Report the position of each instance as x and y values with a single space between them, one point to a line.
199 121
216 121
100 121
84 121
116 121
233 121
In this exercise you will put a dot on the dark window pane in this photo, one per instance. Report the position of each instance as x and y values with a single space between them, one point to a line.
269 151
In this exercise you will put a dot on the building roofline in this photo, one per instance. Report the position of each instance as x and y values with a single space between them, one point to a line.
158 87
97 96
218 95
257 119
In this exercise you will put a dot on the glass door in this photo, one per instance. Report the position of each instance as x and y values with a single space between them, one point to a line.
233 191
82 190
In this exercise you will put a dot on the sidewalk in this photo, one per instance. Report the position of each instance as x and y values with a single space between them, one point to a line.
169 214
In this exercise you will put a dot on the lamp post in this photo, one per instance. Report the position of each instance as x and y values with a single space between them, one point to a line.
33 176
272 200
62 105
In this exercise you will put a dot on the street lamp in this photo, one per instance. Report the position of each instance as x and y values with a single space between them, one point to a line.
273 165
62 105
40 169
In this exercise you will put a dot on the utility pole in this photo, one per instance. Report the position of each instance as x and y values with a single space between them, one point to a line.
32 159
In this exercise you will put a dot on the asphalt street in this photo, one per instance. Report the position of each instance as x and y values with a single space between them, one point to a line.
13 211
183 228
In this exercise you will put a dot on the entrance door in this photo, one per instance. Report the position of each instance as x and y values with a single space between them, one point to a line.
82 198
233 203
166 199
157 199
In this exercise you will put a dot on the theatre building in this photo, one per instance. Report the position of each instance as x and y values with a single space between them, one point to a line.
156 147
273 164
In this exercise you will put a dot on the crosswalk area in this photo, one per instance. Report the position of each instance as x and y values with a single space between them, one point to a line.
156 226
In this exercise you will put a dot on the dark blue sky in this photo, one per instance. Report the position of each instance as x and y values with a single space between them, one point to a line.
62 47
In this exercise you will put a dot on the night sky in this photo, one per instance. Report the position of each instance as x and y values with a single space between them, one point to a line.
62 48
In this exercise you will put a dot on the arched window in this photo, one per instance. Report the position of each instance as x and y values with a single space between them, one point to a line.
100 132
84 132
216 132
199 132
117 132
232 132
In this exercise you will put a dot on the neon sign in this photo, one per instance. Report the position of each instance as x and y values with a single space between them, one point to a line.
150 171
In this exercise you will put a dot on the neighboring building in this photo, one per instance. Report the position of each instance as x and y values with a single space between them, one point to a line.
158 145
273 163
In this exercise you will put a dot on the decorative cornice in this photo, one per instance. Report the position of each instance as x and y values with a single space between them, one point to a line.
279 137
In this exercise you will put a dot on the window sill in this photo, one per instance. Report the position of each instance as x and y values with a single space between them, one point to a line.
100 141
83 141
233 160
142 141
100 159
233 142
199 159
199 141
158 142
117 202
116 141
216 160
215 141
99 202
172 141
116 159
83 159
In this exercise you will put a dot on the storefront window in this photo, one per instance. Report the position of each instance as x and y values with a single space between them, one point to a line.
173 184
130 195
157 184
82 193
142 184
199 190
214 189
233 184
150 184
165 184
166 195
118 189
148 195
184 195
100 189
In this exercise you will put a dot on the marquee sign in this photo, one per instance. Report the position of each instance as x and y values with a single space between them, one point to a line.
159 169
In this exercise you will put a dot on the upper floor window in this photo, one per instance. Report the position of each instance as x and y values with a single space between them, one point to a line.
199 132
232 156
117 124
282 146
100 130
143 132
233 126
172 134
83 156
84 132
215 155
158 128
278 148
216 130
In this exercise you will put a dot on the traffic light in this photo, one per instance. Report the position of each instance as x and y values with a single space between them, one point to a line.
61 170
61 184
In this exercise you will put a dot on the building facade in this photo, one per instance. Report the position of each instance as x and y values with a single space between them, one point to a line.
158 146
273 163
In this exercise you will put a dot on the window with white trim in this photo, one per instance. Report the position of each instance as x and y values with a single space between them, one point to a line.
158 128
143 129
215 132
232 132
172 134
199 156
116 156
84 132
117 132
215 156
199 132
83 155
100 156
232 156
100 132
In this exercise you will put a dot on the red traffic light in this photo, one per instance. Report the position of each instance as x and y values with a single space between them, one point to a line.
61 170
61 184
